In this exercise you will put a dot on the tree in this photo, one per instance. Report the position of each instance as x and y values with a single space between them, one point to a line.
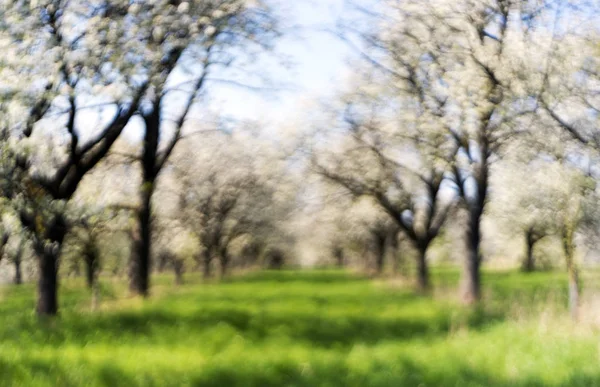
574 198
522 208
61 54
470 68
394 164
230 191
192 38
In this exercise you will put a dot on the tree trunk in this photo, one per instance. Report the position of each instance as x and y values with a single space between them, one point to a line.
224 264
207 261
18 280
178 270
89 275
163 260
471 287
338 254
224 260
140 276
569 251
47 303
423 283
574 293
91 266
530 240
18 258
379 253
48 249
140 269
529 265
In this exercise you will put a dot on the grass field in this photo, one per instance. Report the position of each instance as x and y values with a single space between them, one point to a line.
314 328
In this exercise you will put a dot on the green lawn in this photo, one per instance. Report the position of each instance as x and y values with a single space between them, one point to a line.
314 328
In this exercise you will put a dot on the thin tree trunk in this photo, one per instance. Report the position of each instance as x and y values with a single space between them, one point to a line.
89 275
224 264
423 283
574 293
18 258
91 265
379 253
530 240
569 251
207 265
393 249
178 270
471 287
530 259
338 254
18 273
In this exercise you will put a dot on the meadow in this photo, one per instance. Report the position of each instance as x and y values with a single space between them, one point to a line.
301 328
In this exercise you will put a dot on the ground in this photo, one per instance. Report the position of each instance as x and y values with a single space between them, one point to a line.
292 328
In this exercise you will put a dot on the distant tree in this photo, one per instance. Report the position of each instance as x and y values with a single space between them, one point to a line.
577 203
230 193
524 209
370 163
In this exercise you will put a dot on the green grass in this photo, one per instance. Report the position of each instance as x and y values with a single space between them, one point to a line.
314 328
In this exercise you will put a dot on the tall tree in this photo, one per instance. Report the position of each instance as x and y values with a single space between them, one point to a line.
66 57
193 38
470 68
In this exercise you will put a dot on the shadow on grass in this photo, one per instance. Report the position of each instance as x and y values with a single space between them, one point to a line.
402 373
308 313
324 331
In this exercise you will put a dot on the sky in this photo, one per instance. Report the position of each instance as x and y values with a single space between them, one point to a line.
317 61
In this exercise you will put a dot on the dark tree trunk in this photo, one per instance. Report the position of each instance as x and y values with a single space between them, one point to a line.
379 241
91 266
276 260
471 287
3 242
89 275
163 260
393 249
18 280
140 269
423 283
224 259
207 264
532 236
18 258
47 303
140 276
529 264
338 254
48 250
178 271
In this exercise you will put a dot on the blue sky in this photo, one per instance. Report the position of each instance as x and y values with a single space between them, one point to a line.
318 60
